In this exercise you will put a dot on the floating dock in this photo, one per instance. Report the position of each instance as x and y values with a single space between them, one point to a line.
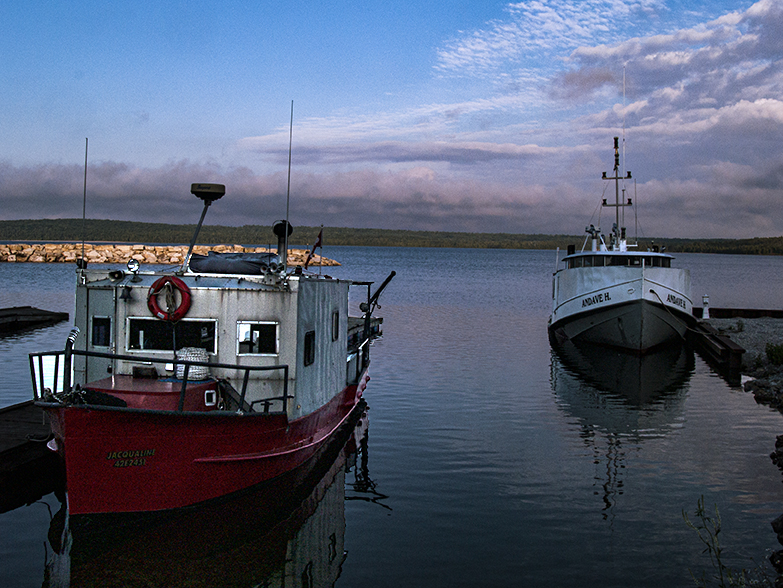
718 350
749 313
723 354
19 318
28 469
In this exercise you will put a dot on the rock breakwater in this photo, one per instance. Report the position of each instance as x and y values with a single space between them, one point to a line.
121 253
762 376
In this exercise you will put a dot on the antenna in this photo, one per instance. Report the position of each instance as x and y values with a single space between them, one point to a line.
635 213
288 190
208 193
83 263
623 139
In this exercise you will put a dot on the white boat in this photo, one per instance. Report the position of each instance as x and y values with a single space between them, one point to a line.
610 295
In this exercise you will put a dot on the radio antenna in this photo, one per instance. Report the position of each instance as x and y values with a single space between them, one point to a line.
623 139
82 264
288 190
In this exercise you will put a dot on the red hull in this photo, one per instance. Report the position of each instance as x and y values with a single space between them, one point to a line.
130 460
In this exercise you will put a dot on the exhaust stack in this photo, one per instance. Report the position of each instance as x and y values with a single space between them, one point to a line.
282 229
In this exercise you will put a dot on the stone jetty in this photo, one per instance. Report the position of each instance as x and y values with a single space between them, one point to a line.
121 253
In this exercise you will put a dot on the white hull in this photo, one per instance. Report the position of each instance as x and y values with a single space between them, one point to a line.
633 308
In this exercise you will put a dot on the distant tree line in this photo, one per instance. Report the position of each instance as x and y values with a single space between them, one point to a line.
71 230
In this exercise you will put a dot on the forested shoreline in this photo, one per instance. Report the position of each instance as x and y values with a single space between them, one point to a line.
71 230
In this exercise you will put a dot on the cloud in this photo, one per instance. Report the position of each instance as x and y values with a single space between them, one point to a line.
458 153
538 27
725 59
732 202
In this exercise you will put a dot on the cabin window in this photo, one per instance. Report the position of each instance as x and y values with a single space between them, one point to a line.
257 338
335 325
156 335
101 331
309 348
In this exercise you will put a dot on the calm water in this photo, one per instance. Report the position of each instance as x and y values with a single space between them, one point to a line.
489 460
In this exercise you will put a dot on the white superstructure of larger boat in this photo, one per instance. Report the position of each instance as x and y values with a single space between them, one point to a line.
609 295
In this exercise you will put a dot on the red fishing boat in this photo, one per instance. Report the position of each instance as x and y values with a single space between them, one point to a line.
178 387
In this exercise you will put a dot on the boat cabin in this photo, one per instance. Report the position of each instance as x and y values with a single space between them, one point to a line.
292 331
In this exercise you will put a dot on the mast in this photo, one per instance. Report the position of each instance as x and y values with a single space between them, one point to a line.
617 204
288 190
82 263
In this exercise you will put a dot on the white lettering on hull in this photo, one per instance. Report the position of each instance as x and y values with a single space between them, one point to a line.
676 300
596 299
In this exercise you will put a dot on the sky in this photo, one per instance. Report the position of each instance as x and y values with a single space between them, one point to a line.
456 115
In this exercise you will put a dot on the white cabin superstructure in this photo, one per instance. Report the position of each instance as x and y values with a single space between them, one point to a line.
300 321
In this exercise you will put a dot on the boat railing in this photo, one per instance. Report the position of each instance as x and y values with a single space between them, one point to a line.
60 373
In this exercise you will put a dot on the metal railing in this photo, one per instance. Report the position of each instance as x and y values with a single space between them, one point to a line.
37 373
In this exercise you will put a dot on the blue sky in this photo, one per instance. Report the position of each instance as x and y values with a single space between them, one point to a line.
455 115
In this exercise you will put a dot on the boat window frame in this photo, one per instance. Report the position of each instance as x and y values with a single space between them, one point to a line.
241 342
93 332
308 357
153 320
335 325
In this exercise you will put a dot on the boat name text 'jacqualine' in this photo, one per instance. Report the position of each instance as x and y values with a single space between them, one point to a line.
123 459
598 298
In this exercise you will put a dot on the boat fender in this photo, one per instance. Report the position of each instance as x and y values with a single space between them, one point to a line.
169 284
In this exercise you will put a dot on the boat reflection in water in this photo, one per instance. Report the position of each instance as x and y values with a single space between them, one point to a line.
620 399
289 532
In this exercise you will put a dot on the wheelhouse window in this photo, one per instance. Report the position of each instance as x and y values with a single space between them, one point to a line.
309 348
586 261
156 335
617 260
100 335
257 338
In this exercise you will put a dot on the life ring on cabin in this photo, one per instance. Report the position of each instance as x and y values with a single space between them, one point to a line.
169 284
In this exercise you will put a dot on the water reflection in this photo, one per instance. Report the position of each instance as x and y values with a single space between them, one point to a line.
289 533
618 401
637 380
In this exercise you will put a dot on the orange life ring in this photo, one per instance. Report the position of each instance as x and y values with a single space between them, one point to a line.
158 287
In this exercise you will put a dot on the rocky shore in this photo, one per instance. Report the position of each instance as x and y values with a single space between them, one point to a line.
761 375
152 254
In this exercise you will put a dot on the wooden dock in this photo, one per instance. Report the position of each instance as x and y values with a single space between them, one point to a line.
749 313
28 469
18 318
723 354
